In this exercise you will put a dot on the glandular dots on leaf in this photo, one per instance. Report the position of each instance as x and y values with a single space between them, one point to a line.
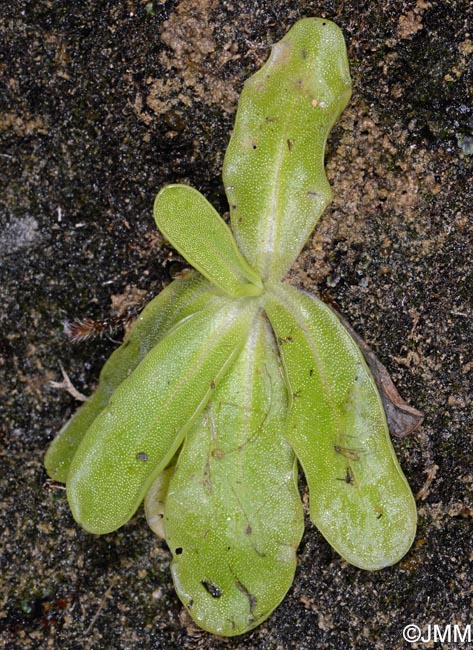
230 378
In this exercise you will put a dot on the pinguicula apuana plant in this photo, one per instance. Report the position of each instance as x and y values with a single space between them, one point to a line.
230 379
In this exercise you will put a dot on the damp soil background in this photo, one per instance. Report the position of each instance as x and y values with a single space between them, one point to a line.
101 105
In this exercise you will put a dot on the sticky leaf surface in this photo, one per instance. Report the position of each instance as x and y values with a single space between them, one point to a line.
180 299
273 171
135 436
233 517
198 232
359 497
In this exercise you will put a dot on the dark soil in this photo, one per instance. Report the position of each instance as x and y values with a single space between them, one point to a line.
102 103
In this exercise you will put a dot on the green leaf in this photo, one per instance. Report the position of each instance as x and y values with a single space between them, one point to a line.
233 517
197 231
273 171
155 500
180 299
359 497
198 411
133 439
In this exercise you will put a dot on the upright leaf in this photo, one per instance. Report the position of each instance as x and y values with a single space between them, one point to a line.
359 497
181 298
197 231
136 435
273 171
233 516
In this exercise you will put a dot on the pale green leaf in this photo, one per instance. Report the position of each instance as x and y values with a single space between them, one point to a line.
133 439
199 234
155 500
181 298
359 497
273 171
233 516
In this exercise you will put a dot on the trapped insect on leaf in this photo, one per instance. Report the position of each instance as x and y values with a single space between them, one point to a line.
231 380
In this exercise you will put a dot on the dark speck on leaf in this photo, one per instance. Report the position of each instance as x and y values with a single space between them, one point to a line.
141 455
213 590
349 478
